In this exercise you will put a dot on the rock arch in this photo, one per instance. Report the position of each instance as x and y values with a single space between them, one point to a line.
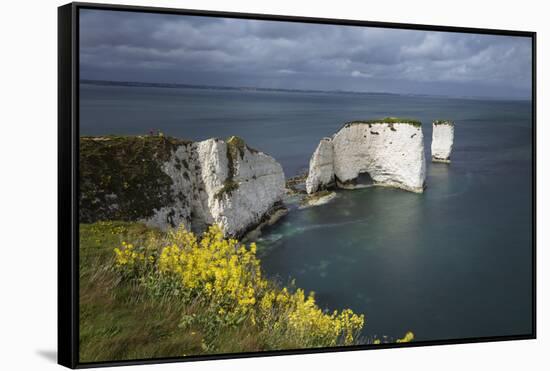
390 150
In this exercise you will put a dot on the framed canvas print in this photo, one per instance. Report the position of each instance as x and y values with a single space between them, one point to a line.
236 185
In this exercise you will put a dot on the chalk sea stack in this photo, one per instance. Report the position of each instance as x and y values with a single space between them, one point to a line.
166 182
387 152
442 140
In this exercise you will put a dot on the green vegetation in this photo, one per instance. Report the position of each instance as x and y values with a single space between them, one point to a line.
444 122
228 187
235 145
121 176
235 148
386 120
145 293
118 319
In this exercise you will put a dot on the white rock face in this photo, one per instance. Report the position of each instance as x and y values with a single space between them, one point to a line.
180 211
391 153
442 141
240 192
321 166
227 183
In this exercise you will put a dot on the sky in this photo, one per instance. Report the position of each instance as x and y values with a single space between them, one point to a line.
161 48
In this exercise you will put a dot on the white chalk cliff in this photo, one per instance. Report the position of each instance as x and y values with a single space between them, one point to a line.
166 182
321 166
442 141
390 150
228 184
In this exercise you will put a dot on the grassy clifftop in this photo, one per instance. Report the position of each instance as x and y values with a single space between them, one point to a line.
146 293
386 120
121 176
443 122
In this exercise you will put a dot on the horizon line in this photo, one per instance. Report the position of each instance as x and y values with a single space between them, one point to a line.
257 88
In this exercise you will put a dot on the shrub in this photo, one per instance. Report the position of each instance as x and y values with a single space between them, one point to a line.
385 120
228 187
443 122
224 278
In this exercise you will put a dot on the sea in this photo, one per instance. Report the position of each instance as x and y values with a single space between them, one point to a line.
452 263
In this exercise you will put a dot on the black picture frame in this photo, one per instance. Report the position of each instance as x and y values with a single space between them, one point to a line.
68 182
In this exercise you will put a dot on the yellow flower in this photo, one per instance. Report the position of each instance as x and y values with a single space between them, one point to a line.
409 336
226 277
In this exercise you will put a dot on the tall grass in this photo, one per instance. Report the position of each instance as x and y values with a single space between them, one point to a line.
148 294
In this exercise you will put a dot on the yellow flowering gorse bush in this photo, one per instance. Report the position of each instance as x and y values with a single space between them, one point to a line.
299 316
225 277
127 255
222 271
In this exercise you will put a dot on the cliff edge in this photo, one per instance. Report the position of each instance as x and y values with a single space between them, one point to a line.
165 182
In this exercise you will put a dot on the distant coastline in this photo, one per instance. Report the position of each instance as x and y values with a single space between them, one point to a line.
221 87
141 84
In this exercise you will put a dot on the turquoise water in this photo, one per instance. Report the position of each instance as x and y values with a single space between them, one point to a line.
454 262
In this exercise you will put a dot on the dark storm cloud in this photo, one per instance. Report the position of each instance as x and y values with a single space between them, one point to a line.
218 51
